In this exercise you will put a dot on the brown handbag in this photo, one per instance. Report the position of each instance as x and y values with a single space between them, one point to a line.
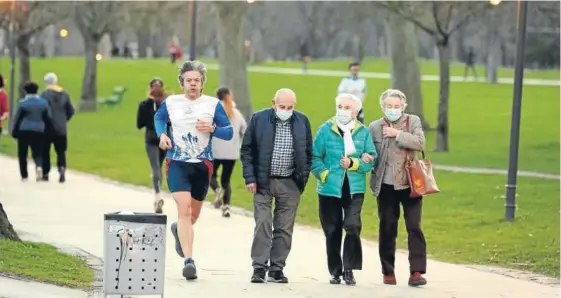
419 173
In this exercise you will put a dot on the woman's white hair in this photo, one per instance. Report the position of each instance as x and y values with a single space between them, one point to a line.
393 93
50 78
340 97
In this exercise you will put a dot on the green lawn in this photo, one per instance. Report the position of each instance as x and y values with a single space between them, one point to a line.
43 262
427 67
463 224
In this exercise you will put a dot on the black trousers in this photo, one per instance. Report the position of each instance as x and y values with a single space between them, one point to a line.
389 201
227 169
336 215
33 140
61 144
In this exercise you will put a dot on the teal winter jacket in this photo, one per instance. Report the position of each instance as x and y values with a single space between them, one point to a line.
329 148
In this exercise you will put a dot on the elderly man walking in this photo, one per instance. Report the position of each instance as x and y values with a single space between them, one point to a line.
62 110
276 156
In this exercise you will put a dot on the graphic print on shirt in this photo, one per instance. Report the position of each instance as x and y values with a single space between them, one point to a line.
189 144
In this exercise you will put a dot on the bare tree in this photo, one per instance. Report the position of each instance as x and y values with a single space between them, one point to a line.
94 19
6 229
232 61
144 17
439 19
260 17
406 74
30 18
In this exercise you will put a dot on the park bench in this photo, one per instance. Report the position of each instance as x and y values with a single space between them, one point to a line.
115 98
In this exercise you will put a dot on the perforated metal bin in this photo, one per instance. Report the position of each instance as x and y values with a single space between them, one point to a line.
134 254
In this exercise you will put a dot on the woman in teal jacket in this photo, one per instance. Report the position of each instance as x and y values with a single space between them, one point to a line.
341 173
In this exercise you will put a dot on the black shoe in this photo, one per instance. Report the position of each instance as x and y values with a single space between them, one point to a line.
178 248
258 276
62 177
335 280
189 270
278 277
349 278
45 178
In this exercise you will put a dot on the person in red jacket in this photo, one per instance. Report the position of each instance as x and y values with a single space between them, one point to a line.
4 108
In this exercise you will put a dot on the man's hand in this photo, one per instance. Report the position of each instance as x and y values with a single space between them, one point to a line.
252 188
345 162
204 126
367 157
389 132
165 142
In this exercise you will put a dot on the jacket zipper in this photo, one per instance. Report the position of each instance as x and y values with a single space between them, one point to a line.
344 170
273 142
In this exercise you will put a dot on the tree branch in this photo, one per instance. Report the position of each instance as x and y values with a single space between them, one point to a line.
399 11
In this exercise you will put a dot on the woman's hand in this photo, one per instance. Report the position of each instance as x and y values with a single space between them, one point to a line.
367 158
345 162
389 132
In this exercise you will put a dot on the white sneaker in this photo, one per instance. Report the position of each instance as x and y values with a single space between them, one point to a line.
218 196
226 211
158 204
38 174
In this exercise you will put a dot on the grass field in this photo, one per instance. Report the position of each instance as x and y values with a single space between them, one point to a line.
427 67
43 262
463 224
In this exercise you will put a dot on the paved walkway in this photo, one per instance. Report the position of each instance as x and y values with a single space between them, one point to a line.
14 288
380 75
72 214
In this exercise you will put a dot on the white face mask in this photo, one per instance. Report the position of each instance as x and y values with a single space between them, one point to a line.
344 116
283 114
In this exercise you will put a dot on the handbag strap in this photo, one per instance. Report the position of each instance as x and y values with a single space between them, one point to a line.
407 128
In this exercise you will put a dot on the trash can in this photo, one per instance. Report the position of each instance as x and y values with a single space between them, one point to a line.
134 254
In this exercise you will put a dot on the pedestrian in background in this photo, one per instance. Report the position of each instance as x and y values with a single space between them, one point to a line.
61 111
4 108
32 121
226 152
354 85
145 119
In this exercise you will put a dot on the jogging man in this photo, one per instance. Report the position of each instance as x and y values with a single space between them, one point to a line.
195 119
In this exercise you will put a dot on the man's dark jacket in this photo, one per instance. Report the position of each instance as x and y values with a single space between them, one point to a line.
258 143
61 108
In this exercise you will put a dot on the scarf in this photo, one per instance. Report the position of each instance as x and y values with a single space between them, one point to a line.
348 137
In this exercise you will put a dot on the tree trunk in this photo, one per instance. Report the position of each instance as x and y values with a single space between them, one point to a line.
22 43
50 37
6 229
406 75
143 38
233 71
88 98
493 48
442 128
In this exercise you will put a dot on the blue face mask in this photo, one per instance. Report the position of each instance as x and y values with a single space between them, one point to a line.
283 114
393 114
